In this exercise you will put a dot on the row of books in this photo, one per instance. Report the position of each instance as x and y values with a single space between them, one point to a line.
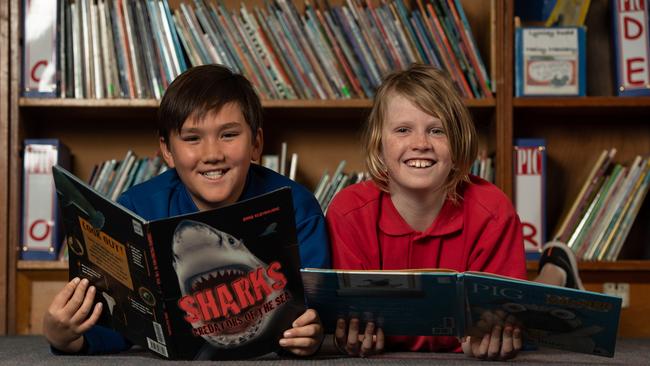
329 185
134 49
483 167
112 177
602 215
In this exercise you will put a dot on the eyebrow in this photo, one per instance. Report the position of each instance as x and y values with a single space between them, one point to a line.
221 128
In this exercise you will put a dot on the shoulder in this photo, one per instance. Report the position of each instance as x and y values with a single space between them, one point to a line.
263 180
481 196
355 198
151 199
164 182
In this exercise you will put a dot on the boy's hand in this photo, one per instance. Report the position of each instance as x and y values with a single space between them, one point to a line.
502 343
305 337
67 318
352 343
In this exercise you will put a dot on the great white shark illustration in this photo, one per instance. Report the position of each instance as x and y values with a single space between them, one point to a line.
205 257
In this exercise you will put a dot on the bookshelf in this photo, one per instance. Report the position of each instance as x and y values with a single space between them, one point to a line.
323 132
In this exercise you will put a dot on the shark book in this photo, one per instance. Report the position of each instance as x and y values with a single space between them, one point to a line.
439 302
213 285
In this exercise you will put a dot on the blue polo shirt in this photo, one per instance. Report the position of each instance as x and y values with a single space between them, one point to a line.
166 196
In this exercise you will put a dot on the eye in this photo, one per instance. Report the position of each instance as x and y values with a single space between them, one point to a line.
229 135
437 131
401 130
231 241
190 138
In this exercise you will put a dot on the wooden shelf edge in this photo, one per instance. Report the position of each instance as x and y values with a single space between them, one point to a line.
581 102
273 104
622 265
42 265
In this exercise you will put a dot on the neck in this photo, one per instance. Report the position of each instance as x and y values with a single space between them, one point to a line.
418 209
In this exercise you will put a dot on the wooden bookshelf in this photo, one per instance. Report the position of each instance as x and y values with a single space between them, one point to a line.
323 132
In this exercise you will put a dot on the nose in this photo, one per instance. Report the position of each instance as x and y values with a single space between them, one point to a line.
420 141
212 152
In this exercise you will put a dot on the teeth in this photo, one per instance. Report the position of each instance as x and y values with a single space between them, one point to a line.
419 163
213 174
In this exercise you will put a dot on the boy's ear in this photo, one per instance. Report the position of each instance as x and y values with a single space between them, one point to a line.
258 144
166 153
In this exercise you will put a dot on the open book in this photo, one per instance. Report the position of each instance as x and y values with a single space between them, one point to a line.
442 302
220 284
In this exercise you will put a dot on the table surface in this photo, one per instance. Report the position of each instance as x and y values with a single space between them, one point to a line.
34 350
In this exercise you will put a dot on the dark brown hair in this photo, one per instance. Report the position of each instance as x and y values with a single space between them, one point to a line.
204 89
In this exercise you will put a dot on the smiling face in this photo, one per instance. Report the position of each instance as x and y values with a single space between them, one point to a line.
212 155
414 148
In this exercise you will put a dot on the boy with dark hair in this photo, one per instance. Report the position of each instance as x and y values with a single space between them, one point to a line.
210 129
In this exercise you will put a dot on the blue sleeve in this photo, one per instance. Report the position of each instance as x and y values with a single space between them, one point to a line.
104 340
99 340
314 242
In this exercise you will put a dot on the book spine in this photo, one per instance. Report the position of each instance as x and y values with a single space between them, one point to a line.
530 188
41 225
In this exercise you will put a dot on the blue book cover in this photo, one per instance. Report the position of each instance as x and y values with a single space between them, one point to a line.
443 302
556 317
630 25
399 302
530 192
550 61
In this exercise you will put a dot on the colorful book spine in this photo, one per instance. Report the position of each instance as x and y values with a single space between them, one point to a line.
530 192
40 233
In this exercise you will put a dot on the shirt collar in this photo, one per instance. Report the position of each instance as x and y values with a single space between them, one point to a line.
449 220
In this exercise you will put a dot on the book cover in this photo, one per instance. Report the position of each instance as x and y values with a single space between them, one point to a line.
630 35
530 192
550 61
40 232
443 302
220 284
551 316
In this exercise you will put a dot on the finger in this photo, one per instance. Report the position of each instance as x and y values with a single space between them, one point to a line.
507 347
64 295
85 308
340 334
494 347
311 330
92 320
379 344
77 297
476 345
352 342
295 344
483 346
517 339
367 344
308 317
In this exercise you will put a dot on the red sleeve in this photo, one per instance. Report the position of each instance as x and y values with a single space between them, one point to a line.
500 247
344 240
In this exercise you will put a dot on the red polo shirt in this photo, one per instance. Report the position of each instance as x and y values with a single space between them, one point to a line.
481 233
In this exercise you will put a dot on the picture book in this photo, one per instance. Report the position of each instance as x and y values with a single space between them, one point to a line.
219 284
442 302
550 61
530 192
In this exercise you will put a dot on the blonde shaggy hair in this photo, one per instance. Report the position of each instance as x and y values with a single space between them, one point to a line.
432 91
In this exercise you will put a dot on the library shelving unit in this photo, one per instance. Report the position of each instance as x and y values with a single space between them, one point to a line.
323 133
